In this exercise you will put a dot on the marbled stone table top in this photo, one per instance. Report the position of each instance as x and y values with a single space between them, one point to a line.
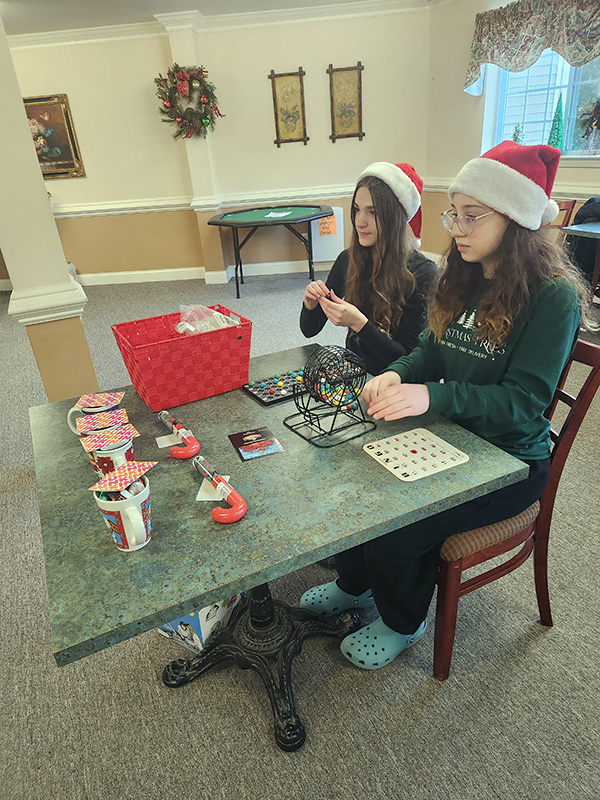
304 504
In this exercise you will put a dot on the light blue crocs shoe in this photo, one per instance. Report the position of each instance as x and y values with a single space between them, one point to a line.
375 645
328 600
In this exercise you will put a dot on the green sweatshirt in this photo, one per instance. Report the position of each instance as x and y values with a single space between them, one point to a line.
500 394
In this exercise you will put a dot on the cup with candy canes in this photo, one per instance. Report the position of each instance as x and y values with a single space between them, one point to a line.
123 499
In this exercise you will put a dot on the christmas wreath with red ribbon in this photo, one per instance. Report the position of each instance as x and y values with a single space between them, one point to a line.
189 101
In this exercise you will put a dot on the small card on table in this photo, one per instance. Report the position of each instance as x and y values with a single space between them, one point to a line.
255 443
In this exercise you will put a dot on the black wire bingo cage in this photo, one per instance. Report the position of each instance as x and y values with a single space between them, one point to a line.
329 411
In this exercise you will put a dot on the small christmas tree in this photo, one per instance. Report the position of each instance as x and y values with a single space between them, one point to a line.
556 138
518 136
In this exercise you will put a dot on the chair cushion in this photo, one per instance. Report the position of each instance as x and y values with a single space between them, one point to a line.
464 544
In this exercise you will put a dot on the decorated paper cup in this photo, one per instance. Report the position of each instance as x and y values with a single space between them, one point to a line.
128 520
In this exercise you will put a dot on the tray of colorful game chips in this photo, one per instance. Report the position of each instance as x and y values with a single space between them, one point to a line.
276 388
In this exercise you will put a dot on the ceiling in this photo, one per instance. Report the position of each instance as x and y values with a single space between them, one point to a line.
38 16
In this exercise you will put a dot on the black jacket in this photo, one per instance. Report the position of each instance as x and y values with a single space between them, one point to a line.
582 250
374 347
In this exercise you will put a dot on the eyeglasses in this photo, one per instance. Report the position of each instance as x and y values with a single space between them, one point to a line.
465 224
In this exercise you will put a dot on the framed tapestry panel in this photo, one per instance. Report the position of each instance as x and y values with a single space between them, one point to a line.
288 106
345 92
54 138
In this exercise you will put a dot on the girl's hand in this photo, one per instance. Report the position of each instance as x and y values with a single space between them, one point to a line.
342 313
396 402
313 293
374 389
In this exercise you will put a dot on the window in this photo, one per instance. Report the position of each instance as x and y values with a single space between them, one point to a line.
530 98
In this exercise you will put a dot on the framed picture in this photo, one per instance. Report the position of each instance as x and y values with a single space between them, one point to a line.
345 92
54 136
288 105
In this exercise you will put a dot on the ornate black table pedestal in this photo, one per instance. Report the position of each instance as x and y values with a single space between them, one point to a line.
265 635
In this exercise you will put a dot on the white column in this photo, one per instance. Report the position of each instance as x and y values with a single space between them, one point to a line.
43 289
184 29
45 298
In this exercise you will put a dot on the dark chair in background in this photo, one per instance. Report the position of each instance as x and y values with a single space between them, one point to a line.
529 529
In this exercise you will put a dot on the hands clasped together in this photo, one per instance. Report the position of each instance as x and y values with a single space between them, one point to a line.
337 311
388 398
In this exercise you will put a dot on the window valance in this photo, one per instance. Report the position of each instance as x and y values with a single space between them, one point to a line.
514 36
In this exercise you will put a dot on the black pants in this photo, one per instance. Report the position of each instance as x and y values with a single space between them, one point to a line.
401 567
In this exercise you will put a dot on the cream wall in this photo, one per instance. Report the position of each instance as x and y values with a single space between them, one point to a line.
133 165
388 46
127 153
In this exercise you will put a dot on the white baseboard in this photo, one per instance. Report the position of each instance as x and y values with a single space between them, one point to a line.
187 273
220 276
281 268
141 276
198 273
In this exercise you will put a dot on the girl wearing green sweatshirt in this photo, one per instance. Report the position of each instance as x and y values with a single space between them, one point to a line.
502 326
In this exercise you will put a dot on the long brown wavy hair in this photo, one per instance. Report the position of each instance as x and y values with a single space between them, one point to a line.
526 260
378 281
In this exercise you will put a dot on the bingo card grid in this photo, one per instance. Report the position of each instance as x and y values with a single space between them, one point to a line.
415 454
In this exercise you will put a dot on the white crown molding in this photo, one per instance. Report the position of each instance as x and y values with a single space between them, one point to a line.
194 20
200 23
106 33
47 303
181 21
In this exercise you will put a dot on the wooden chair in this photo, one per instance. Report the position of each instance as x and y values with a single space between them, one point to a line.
530 529
566 207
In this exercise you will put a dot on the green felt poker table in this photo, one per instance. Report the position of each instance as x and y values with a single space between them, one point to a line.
269 216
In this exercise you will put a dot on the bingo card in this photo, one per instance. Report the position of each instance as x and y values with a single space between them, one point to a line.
415 454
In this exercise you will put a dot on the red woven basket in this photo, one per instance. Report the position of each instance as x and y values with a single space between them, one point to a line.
169 369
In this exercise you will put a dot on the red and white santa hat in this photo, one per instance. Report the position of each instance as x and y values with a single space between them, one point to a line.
405 184
515 180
